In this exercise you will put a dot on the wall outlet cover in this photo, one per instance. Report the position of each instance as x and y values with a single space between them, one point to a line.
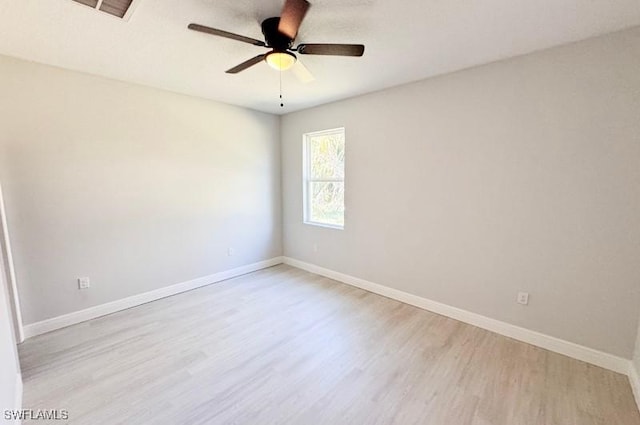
84 283
523 298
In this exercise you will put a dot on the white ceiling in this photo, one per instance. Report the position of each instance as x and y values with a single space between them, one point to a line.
405 41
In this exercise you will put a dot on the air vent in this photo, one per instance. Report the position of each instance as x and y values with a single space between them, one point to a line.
92 3
117 8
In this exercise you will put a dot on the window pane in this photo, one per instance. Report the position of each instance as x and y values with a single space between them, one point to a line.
326 203
326 155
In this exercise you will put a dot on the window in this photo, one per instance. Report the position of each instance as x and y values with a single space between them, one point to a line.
323 176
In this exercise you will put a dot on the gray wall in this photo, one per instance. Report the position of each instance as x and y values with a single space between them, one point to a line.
134 187
636 354
467 188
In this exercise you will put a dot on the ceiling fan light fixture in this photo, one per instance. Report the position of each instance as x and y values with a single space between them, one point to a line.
279 36
280 61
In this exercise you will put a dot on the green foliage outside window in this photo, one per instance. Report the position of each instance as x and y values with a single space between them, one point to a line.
325 177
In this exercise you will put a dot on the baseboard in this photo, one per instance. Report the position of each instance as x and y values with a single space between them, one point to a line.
634 379
19 391
63 321
570 349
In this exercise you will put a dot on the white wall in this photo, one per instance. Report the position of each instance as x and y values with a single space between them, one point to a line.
467 188
10 384
134 187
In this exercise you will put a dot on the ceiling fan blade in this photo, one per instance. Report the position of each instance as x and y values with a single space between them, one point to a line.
331 49
225 34
302 73
291 17
246 64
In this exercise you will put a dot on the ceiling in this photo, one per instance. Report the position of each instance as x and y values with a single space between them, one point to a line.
406 41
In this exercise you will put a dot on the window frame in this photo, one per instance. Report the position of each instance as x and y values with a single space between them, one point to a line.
307 180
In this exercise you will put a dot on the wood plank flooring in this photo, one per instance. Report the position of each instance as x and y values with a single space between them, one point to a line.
283 346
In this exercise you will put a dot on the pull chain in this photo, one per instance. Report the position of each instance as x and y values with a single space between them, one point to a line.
281 102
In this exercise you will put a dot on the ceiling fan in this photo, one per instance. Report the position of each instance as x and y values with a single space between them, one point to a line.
280 33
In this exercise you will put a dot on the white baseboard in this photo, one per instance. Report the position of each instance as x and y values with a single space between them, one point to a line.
634 379
19 391
570 349
63 321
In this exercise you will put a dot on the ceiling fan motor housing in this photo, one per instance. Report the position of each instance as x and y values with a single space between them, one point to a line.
274 38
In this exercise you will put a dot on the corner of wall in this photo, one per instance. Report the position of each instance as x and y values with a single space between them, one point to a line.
634 379
634 370
282 159
10 275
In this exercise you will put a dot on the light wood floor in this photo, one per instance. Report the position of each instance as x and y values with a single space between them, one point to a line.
283 346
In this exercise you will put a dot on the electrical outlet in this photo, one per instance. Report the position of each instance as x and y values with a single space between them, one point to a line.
231 252
523 298
315 247
84 283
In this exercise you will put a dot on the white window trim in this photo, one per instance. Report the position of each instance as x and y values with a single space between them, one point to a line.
306 181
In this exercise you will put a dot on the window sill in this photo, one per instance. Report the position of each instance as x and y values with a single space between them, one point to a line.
328 226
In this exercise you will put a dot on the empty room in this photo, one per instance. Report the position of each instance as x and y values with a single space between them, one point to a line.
294 212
